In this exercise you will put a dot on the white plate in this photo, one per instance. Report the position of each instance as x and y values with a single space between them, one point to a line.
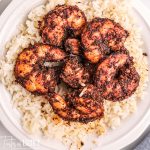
130 129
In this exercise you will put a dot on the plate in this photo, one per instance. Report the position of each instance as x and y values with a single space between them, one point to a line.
130 129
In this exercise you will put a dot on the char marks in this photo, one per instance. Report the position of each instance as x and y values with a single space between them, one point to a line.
62 22
100 36
30 71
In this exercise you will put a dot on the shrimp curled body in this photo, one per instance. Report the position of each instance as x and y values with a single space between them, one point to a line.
74 73
61 22
30 71
99 36
117 77
77 108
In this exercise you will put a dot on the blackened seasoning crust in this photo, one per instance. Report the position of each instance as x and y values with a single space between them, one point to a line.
76 108
62 22
72 46
100 36
116 77
30 71
74 73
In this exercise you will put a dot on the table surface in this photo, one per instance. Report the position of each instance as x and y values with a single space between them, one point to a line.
6 136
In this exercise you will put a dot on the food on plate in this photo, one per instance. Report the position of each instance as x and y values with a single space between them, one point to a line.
117 77
30 71
113 78
72 46
75 69
74 73
76 107
62 22
100 36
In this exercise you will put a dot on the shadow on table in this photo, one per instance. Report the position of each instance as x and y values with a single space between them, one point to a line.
142 143
3 4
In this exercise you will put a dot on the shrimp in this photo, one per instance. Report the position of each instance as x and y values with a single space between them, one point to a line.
100 36
117 77
85 110
72 46
74 73
30 71
86 99
62 22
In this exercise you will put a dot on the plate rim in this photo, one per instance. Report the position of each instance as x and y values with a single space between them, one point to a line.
139 129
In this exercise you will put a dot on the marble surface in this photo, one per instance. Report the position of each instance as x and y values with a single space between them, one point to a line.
6 138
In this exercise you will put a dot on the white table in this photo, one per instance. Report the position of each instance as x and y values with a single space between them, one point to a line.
6 137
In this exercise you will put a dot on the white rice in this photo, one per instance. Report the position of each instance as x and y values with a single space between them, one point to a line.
37 114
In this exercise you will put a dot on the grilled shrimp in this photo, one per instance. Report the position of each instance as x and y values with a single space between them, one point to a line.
117 77
30 71
100 36
85 99
72 46
61 22
83 109
74 73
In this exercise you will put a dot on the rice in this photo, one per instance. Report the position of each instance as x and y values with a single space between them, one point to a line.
36 113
